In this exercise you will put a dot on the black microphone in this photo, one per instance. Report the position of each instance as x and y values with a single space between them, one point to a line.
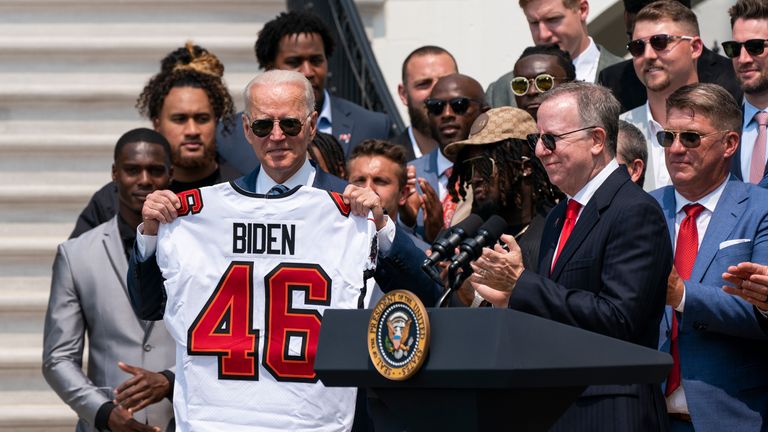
471 248
444 246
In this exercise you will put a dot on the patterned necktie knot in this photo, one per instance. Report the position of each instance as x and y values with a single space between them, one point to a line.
277 190
693 210
761 118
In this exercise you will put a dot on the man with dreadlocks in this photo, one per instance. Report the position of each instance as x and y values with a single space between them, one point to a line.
185 101
327 153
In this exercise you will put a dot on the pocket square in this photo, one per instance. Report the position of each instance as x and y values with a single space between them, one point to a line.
727 243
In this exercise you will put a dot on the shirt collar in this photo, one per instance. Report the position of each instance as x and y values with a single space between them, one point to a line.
709 201
414 144
586 62
653 125
588 191
442 163
325 118
749 112
305 176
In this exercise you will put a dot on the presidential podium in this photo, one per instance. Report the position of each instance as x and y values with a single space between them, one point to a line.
487 369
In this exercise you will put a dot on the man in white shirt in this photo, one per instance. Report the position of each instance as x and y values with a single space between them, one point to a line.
561 22
665 47
749 24
715 221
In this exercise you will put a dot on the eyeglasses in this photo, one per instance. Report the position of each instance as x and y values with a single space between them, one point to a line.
459 105
689 139
549 140
754 47
483 166
658 42
542 82
290 126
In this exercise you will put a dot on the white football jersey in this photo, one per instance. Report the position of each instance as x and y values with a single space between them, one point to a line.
248 278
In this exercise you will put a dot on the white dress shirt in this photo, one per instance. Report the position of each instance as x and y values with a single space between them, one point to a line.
586 63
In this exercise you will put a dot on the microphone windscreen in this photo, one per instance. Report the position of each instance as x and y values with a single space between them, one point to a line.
495 226
470 225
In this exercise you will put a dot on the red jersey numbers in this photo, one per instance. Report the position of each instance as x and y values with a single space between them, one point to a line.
224 326
191 202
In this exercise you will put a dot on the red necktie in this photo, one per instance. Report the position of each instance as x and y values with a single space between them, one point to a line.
449 207
686 249
571 213
757 163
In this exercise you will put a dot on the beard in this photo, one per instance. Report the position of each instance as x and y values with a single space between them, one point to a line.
757 86
419 120
194 161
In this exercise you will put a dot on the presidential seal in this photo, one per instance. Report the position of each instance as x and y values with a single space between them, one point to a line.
398 335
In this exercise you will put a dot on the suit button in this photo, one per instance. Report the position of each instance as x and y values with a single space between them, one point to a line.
148 347
698 325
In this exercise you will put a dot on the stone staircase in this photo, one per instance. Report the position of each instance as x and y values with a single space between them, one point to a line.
69 77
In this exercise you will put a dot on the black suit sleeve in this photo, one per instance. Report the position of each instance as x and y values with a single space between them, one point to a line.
616 282
146 287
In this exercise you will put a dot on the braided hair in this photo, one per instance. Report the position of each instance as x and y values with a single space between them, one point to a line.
189 66
510 168
325 146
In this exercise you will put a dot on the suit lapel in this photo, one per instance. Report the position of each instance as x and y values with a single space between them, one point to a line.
431 170
729 207
549 238
113 246
668 206
341 125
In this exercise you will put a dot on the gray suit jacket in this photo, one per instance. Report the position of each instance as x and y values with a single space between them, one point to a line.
89 296
499 93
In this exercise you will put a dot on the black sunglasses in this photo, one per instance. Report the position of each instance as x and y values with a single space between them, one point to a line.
550 140
290 126
689 139
459 105
542 82
658 42
732 49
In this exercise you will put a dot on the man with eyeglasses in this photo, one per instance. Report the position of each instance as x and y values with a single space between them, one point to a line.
539 69
665 46
622 80
719 381
749 24
562 23
452 106
604 257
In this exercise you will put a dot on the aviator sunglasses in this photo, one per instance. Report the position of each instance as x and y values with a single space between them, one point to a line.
689 139
658 42
754 47
459 105
549 140
290 126
542 82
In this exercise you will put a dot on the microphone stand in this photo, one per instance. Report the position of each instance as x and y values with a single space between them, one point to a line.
455 279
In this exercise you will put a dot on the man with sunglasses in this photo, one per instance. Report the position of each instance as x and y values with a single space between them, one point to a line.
749 24
665 46
539 69
719 380
604 258
562 23
455 102
622 79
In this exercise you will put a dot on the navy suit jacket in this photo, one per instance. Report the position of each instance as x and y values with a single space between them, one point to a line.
351 124
722 347
397 269
610 278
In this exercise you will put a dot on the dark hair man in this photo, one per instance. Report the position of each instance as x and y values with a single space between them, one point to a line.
716 221
749 26
621 292
622 79
88 296
421 70
185 102
539 69
301 42
665 48
563 23
632 151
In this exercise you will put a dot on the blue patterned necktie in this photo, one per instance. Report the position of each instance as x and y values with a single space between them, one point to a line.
277 190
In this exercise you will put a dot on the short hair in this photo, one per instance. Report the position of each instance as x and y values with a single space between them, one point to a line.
634 6
378 147
632 145
425 51
277 77
569 4
563 57
748 9
710 101
330 150
143 135
669 10
189 66
596 106
289 23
